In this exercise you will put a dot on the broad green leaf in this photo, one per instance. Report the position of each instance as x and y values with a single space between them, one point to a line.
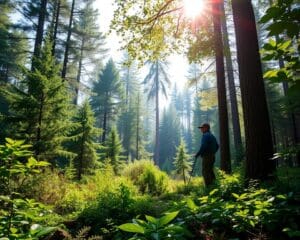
235 195
168 218
276 28
191 204
131 227
151 219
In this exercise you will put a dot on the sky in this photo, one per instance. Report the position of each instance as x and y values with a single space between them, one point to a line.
178 64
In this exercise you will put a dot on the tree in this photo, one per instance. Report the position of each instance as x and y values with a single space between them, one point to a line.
181 161
169 137
41 116
68 41
107 93
84 141
113 150
88 42
232 91
259 146
283 24
222 101
156 81
39 31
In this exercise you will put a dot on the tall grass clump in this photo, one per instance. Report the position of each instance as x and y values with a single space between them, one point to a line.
147 177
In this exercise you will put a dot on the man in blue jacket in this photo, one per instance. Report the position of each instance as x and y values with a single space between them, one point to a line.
209 146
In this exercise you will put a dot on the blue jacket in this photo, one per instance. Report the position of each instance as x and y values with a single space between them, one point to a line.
209 145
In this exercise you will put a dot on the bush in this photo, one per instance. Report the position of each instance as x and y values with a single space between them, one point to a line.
147 177
195 186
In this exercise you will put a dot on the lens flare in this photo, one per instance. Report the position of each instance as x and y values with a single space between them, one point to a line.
192 8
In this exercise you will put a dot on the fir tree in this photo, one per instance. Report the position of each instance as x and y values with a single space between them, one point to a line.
107 94
83 142
41 115
113 150
181 161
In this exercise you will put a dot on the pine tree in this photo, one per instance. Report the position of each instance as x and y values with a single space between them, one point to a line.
83 141
181 161
42 116
88 42
156 81
113 149
107 95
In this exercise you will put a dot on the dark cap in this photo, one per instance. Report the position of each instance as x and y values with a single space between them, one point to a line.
205 125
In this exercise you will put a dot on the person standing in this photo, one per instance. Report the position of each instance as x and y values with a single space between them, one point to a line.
209 146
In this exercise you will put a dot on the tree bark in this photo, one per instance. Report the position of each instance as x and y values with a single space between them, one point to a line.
78 77
39 32
222 103
66 57
55 23
259 146
232 92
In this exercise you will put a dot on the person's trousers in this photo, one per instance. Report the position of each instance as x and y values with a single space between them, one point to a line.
208 169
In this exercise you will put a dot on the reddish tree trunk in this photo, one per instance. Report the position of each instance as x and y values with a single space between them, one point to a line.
259 146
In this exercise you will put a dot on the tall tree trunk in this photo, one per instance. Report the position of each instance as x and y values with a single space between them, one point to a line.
222 103
156 151
232 92
138 127
39 127
78 77
259 146
105 116
55 24
39 32
66 57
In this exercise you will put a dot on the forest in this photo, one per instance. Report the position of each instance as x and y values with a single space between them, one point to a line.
104 105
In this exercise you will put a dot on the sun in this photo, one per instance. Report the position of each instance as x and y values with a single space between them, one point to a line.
192 8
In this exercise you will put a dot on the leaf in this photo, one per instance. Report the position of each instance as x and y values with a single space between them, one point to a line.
45 231
272 12
276 28
151 219
131 227
235 195
213 192
168 218
191 204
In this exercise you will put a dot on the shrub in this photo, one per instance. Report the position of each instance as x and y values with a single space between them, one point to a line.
147 177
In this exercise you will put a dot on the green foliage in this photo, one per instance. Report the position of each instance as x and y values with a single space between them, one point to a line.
181 161
282 20
82 234
83 141
112 150
41 114
107 91
112 206
19 218
147 177
156 228
254 212
169 137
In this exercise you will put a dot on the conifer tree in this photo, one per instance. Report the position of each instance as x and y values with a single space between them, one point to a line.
41 116
107 94
169 137
113 150
181 161
83 144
